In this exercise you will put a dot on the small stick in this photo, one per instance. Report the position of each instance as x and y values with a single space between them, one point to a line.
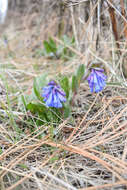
114 24
124 15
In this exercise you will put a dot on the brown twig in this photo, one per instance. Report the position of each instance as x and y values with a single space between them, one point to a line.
114 23
124 15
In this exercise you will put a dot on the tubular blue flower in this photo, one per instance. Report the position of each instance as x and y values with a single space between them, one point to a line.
53 95
96 80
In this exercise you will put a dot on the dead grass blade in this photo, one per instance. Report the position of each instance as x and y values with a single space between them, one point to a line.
123 182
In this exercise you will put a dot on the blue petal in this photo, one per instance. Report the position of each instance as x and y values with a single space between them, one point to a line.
56 102
53 95
51 83
100 74
91 81
91 85
96 80
61 92
46 90
45 94
98 88
49 101
61 97
102 83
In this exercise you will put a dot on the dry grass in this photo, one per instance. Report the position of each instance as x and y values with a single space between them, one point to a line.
92 153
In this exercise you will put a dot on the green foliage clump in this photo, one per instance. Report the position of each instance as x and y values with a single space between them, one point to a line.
35 104
53 50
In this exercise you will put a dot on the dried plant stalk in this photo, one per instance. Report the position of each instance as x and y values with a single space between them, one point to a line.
114 23
124 15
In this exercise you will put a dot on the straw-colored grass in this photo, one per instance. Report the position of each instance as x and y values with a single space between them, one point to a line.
90 154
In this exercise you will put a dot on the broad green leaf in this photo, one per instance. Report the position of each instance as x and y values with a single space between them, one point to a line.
45 115
67 111
47 47
50 46
38 84
23 100
32 107
36 90
74 84
65 85
73 40
80 73
36 107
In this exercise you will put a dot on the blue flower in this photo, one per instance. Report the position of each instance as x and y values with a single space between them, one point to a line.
53 95
96 80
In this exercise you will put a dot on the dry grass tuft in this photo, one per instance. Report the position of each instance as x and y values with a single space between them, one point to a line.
92 153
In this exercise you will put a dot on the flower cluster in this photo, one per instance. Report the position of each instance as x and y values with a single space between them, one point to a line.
53 95
96 80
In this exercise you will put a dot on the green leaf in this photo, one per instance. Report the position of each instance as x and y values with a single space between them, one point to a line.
65 85
38 83
47 47
23 100
80 73
41 111
67 111
50 46
51 131
32 107
36 90
73 40
35 107
53 159
1 151
40 52
23 166
114 83
74 84
66 40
